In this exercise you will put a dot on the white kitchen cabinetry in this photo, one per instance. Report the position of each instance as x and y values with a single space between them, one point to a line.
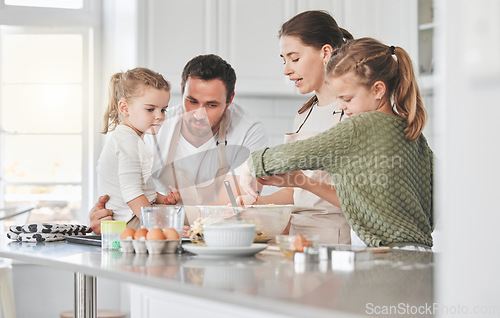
245 34
151 303
241 32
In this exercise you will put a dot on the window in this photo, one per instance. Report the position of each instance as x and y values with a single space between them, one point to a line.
67 4
45 113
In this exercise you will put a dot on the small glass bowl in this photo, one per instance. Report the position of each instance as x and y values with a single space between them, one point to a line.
289 244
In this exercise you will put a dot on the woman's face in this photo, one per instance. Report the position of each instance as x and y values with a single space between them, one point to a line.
304 65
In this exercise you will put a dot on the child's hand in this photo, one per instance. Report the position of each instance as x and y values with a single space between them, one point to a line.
185 231
173 197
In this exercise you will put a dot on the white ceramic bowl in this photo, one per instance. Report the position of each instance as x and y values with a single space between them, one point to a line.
229 234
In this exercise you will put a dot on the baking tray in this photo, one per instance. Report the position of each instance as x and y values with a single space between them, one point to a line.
85 239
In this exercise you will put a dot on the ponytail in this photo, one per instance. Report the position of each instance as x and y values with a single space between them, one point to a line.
407 98
310 102
347 36
112 116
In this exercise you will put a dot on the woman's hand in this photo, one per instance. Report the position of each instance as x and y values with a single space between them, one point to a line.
248 182
185 230
295 179
173 197
99 213
245 199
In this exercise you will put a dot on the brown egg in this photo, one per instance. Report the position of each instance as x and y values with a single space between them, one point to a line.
155 234
140 233
128 232
300 243
171 234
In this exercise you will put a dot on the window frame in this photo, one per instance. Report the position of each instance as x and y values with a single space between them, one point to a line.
87 22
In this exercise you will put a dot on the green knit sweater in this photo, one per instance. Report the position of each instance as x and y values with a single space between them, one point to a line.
383 180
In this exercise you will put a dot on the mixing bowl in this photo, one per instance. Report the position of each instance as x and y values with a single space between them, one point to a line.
269 220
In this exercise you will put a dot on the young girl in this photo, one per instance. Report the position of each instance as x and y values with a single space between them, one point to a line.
306 43
379 161
137 103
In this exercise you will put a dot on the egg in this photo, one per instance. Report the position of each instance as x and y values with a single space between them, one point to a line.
171 234
128 232
140 233
300 243
155 234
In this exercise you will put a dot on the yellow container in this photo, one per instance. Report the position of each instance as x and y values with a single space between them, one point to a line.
111 231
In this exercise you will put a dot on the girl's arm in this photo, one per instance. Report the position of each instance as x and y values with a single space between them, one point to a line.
282 196
136 204
298 179
323 190
322 151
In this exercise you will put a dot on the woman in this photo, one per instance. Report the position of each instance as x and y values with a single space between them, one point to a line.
306 43
379 160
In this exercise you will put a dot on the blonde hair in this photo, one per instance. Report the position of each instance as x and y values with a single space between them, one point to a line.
128 85
373 61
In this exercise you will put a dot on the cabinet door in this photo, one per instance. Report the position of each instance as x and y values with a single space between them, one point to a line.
249 34
175 32
245 33
393 22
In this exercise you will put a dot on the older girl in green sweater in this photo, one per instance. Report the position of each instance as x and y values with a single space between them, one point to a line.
379 160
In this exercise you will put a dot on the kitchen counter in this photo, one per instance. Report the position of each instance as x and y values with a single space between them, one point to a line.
398 282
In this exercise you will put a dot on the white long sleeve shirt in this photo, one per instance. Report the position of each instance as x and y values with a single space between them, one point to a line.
124 171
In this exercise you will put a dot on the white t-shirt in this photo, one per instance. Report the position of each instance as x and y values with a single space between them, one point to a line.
124 171
320 119
244 134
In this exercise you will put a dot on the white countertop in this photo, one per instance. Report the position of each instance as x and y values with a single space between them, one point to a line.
267 281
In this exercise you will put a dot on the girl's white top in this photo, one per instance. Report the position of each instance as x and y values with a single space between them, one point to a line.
124 171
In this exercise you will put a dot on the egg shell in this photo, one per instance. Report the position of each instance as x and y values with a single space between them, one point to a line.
171 234
140 233
300 243
128 232
155 234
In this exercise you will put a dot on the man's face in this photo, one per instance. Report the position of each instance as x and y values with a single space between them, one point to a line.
205 104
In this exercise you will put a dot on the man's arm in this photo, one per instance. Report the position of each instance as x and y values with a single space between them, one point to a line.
99 213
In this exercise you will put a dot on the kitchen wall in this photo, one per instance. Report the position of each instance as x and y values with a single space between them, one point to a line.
467 170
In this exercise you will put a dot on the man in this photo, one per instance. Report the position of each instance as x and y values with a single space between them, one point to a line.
202 141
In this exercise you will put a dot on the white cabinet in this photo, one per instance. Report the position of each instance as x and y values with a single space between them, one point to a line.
242 32
393 22
245 33
148 302
176 31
